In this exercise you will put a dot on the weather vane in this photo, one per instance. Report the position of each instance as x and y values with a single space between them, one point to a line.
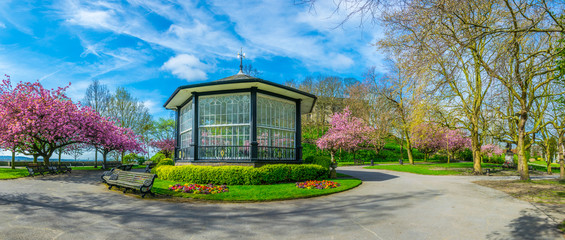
241 56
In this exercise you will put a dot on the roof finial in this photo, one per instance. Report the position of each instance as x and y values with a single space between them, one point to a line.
241 56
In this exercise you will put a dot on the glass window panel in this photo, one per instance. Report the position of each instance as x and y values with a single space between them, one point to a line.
275 127
224 126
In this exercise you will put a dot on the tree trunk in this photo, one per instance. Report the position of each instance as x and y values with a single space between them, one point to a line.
35 159
409 148
522 161
14 159
547 159
60 152
560 150
122 155
333 172
46 160
104 155
561 168
476 148
95 157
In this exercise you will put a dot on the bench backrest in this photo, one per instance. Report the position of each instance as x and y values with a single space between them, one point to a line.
134 177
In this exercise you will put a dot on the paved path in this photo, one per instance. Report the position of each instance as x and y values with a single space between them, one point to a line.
388 205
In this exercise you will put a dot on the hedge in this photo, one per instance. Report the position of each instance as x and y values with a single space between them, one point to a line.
166 161
241 175
323 161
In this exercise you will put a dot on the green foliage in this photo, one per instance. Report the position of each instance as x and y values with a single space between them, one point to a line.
465 155
8 173
166 161
324 161
313 131
499 159
241 175
158 157
132 157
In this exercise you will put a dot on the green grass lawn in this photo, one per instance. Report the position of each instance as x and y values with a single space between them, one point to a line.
258 192
434 169
544 164
8 173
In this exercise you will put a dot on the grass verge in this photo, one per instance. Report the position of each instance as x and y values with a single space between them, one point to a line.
538 191
8 173
459 168
255 193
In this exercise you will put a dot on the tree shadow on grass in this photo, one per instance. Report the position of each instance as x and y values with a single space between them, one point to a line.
367 176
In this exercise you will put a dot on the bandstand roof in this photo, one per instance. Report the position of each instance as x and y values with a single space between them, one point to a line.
241 81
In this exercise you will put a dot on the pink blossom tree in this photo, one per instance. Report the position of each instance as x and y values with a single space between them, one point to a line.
454 141
37 121
346 132
167 146
108 137
491 150
427 138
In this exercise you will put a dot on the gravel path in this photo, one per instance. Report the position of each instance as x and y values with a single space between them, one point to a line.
388 205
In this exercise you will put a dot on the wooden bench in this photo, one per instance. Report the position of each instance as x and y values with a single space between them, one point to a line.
130 180
61 168
358 161
110 165
149 165
126 167
34 168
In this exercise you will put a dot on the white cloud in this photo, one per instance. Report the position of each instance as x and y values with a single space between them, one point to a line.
2 25
186 66
152 106
93 19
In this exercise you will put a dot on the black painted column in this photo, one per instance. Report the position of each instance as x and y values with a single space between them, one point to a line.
253 132
178 140
194 144
298 136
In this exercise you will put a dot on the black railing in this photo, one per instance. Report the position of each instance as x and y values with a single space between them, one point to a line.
224 152
237 153
185 153
276 153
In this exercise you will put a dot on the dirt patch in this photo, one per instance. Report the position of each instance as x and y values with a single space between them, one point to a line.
546 195
541 191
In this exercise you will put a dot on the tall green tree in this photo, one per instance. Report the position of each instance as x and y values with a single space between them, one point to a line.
97 97
130 113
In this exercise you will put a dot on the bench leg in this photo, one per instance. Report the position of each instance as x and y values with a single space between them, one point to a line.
110 187
125 190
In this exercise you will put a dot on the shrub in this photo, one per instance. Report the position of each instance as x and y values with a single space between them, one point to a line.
323 161
241 175
494 159
129 158
166 161
157 158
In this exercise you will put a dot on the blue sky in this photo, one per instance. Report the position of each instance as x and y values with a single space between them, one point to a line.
152 47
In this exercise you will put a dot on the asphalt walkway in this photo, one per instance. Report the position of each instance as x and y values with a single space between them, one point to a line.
388 205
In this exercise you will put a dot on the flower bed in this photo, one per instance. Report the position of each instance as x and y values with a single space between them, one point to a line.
199 189
315 184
